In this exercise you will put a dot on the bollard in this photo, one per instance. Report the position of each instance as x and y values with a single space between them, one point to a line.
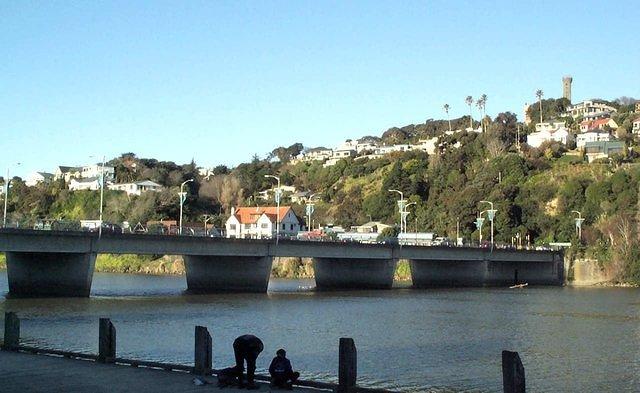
11 331
512 373
347 366
203 362
106 341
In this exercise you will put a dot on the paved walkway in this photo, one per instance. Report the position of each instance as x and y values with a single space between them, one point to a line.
23 372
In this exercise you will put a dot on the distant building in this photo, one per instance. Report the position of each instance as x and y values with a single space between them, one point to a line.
599 124
92 183
546 132
596 150
90 171
591 136
427 145
636 126
38 177
260 222
597 115
67 172
136 188
300 196
588 107
566 87
266 194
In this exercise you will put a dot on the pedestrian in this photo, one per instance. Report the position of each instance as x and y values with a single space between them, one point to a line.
246 348
282 374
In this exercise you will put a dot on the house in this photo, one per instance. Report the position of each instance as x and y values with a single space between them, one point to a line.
589 107
300 197
92 183
370 227
266 194
603 149
636 126
136 188
90 171
591 136
546 132
597 115
260 222
599 124
67 172
427 145
38 177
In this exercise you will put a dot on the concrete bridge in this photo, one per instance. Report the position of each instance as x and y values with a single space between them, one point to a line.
46 263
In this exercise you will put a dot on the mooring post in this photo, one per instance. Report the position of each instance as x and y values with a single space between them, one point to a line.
512 373
347 366
106 341
11 331
203 361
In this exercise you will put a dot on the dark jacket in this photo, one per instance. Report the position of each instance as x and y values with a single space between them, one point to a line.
248 344
280 366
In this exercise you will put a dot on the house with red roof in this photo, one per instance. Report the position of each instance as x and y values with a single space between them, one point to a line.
260 222
598 124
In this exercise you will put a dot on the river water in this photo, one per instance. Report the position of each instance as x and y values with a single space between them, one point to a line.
444 340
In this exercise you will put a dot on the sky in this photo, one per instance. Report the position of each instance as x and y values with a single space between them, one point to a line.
220 81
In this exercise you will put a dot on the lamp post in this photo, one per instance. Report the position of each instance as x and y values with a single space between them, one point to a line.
6 198
491 214
479 222
400 206
277 206
101 196
310 208
183 196
578 222
206 218
405 214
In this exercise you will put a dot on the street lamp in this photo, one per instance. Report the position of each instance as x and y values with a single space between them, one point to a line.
6 198
479 222
183 196
491 214
405 214
277 206
310 208
400 206
101 194
578 222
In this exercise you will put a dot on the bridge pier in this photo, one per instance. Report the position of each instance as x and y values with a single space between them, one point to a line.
427 273
214 274
49 274
353 273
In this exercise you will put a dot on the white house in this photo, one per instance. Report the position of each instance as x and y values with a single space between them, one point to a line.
136 188
90 171
589 107
37 178
260 222
562 135
427 145
591 136
84 184
67 172
266 194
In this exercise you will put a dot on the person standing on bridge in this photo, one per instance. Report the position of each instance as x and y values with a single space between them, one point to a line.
247 348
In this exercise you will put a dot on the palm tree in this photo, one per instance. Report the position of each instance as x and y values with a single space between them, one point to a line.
469 101
540 94
480 105
446 109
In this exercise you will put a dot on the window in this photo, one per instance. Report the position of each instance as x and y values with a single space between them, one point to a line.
232 227
284 227
264 225
292 227
247 226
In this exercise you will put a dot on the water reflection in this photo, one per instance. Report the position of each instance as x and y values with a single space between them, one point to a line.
427 340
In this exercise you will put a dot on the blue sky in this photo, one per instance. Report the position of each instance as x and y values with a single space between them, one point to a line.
218 81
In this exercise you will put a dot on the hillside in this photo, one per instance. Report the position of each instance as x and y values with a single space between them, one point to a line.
534 190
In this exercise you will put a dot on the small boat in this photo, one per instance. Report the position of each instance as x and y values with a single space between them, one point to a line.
519 285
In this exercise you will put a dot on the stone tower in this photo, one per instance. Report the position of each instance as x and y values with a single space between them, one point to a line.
566 87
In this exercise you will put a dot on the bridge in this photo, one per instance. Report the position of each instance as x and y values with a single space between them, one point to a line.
49 263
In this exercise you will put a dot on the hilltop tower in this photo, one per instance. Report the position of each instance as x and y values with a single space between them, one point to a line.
566 87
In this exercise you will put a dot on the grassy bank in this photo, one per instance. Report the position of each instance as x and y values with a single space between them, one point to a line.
3 261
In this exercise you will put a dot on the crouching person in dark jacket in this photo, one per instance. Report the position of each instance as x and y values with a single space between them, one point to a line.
247 348
282 375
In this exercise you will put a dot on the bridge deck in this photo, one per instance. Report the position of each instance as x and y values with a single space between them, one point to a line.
22 372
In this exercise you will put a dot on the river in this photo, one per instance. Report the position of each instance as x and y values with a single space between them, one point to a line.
444 340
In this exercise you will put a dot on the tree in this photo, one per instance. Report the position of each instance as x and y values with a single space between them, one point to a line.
469 101
540 94
446 109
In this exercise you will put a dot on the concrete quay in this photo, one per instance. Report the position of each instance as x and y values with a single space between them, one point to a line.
24 372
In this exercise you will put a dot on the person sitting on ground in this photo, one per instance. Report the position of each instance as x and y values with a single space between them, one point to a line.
247 348
282 375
